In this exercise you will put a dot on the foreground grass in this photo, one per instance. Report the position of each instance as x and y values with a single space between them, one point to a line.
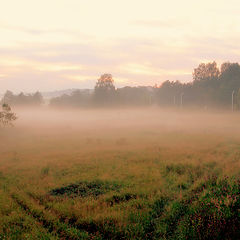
143 183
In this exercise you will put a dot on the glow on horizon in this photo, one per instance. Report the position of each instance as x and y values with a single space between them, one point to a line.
57 44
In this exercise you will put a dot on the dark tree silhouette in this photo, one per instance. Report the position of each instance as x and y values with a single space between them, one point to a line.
22 99
229 81
134 96
78 98
208 71
104 91
211 87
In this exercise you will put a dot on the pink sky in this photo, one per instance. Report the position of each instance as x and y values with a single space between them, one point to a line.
51 45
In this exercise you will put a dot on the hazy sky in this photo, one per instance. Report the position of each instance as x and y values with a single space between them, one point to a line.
58 44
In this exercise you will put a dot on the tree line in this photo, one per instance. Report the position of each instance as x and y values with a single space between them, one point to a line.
22 99
211 87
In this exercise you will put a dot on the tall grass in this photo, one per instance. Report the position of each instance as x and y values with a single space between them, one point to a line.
135 183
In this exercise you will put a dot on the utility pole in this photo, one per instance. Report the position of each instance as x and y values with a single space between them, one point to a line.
233 100
182 100
174 100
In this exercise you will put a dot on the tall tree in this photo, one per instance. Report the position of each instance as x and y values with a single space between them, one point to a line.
208 71
104 90
229 82
206 83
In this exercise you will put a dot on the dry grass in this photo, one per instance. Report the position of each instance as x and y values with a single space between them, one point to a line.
151 154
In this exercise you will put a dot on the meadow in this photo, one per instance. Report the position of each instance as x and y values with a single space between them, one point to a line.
120 174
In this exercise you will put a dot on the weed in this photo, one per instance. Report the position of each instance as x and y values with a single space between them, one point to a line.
119 198
45 171
85 189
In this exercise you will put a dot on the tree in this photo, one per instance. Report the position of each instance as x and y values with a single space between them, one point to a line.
8 97
207 71
229 81
7 116
169 92
134 96
105 83
22 99
78 98
104 89
206 83
37 98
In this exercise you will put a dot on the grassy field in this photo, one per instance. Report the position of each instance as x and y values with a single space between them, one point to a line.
120 174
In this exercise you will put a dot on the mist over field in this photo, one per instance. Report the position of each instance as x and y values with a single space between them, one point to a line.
122 121
119 120
136 173
126 121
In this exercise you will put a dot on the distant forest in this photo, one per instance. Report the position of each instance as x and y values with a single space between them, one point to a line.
211 87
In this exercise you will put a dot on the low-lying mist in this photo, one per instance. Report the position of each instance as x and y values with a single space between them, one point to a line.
125 121
66 131
80 168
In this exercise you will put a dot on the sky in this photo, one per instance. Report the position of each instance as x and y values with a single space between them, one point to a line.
51 45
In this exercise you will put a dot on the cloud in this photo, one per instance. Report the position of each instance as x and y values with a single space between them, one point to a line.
167 23
69 43
132 61
43 31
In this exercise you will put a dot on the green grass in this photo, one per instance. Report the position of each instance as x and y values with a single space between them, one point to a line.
84 189
119 184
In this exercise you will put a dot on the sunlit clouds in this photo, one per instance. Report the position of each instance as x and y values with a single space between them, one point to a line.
57 44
